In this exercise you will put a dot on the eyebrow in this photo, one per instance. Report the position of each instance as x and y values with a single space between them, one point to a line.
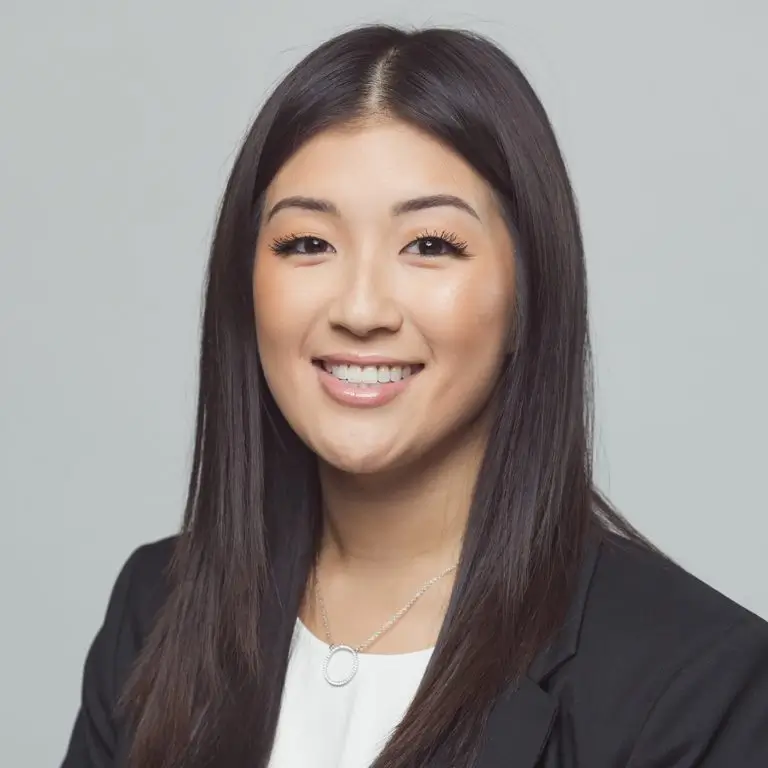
399 209
433 201
305 203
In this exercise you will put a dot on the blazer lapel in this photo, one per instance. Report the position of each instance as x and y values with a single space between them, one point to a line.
522 720
518 727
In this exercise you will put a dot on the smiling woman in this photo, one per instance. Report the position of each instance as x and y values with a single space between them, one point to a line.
393 553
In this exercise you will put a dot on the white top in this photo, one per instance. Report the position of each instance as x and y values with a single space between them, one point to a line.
323 726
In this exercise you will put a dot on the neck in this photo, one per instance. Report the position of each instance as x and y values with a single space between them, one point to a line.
413 516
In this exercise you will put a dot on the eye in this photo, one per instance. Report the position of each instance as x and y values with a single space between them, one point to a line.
432 244
303 245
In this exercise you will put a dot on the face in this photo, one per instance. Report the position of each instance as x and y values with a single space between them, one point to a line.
383 292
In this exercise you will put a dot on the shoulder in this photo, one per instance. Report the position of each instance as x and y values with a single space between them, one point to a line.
148 565
137 596
639 597
139 593
145 582
663 662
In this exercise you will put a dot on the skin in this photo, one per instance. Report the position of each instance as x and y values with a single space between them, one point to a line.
396 479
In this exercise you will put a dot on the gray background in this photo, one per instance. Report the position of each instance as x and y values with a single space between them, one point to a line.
119 122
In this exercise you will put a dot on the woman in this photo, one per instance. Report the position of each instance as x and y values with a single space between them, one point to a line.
393 552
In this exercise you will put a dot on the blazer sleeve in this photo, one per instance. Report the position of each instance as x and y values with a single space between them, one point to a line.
714 711
94 736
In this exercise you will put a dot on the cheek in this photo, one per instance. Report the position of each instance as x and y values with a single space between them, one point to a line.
277 312
469 320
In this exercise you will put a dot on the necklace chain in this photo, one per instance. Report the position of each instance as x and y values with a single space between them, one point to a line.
387 624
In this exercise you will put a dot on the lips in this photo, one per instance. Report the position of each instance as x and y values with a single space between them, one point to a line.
365 383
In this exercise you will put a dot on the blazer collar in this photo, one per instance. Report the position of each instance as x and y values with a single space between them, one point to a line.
521 721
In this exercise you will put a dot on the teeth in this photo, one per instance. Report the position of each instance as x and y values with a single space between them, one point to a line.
369 374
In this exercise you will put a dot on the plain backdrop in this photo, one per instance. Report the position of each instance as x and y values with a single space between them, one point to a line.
118 125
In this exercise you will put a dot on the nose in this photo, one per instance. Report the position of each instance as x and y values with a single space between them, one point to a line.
365 303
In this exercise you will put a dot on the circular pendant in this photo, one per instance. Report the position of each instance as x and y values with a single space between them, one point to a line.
353 662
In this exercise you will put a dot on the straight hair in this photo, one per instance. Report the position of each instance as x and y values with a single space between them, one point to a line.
206 689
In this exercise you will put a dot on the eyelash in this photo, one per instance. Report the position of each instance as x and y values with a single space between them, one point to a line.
286 244
457 248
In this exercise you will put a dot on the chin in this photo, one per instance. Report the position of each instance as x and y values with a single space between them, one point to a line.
358 465
372 461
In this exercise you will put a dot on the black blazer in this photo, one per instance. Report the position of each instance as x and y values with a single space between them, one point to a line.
652 669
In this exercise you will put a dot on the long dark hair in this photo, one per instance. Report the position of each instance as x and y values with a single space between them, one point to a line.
206 689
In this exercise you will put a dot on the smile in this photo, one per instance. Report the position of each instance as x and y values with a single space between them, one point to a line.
365 383
369 374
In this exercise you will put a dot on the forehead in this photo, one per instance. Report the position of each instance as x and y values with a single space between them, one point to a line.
378 162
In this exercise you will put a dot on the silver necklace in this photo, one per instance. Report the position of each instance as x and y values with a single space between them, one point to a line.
354 652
